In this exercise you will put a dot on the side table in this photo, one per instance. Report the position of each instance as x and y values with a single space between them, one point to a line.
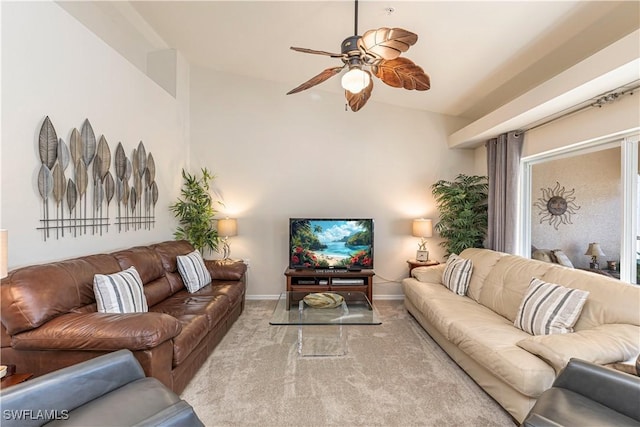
14 379
413 263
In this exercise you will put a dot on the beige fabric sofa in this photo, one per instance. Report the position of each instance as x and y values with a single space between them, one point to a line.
478 332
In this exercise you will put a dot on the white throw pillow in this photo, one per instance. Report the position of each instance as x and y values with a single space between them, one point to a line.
457 274
193 271
120 292
548 308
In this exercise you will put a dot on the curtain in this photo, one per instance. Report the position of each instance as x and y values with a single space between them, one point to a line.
503 163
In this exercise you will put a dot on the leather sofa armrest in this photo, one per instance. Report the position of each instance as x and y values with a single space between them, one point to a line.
537 420
616 390
226 269
429 274
100 331
64 390
178 414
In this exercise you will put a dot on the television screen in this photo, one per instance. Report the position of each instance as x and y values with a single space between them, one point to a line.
330 243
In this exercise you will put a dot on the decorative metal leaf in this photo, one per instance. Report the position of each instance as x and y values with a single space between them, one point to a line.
128 171
386 43
45 182
357 100
133 199
154 192
402 72
147 178
120 161
109 187
119 190
63 154
76 145
72 195
88 142
104 154
151 166
48 143
142 159
135 161
59 183
325 75
82 179
98 194
137 183
147 203
317 52
125 194
97 166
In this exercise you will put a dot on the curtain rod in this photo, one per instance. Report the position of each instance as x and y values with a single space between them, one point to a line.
597 102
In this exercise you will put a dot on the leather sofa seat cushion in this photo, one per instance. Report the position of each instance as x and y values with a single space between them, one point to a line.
116 409
194 328
230 290
100 331
184 303
34 295
489 339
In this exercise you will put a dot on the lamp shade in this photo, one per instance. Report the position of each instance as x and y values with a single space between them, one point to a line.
227 227
422 228
4 258
594 250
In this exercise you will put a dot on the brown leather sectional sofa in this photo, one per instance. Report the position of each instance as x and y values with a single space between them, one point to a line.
50 321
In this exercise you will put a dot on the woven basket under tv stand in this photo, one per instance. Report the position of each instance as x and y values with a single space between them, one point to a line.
308 280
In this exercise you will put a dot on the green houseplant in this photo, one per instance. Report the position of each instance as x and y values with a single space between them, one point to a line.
462 204
195 212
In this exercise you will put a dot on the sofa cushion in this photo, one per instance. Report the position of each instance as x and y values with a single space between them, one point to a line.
99 332
169 251
483 261
548 308
457 274
214 306
120 292
601 345
144 259
562 258
193 271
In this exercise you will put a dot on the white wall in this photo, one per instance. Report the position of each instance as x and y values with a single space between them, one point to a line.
280 156
52 65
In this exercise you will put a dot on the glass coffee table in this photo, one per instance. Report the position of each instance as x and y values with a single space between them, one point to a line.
323 331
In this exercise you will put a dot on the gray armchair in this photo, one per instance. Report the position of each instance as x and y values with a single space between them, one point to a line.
585 394
110 390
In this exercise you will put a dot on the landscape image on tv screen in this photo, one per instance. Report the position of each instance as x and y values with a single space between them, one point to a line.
326 243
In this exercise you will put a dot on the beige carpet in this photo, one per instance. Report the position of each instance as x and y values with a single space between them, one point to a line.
393 375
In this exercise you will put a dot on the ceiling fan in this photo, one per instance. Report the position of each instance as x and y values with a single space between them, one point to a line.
376 52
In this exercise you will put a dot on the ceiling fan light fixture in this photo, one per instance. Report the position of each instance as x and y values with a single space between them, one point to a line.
355 80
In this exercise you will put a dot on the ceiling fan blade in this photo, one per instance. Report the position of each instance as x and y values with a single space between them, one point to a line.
357 100
387 43
402 72
325 75
317 52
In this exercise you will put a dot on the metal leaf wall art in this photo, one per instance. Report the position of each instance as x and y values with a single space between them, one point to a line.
68 188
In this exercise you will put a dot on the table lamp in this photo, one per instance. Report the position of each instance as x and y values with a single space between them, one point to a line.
422 228
594 252
227 227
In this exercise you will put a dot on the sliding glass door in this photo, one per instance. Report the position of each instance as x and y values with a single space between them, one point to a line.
583 194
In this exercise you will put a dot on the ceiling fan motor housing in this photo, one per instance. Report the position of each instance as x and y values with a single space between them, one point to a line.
350 44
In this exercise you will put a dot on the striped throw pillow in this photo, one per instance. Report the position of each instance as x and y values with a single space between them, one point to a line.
457 274
548 308
193 271
120 292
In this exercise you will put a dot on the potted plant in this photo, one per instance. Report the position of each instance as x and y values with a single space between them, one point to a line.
195 212
463 212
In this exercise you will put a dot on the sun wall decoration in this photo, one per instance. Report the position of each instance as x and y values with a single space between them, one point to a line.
556 205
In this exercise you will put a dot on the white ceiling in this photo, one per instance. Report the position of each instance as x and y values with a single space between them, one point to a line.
479 54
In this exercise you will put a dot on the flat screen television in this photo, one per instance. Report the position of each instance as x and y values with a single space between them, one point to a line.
331 243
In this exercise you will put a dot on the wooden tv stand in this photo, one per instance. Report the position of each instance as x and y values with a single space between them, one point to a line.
324 280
